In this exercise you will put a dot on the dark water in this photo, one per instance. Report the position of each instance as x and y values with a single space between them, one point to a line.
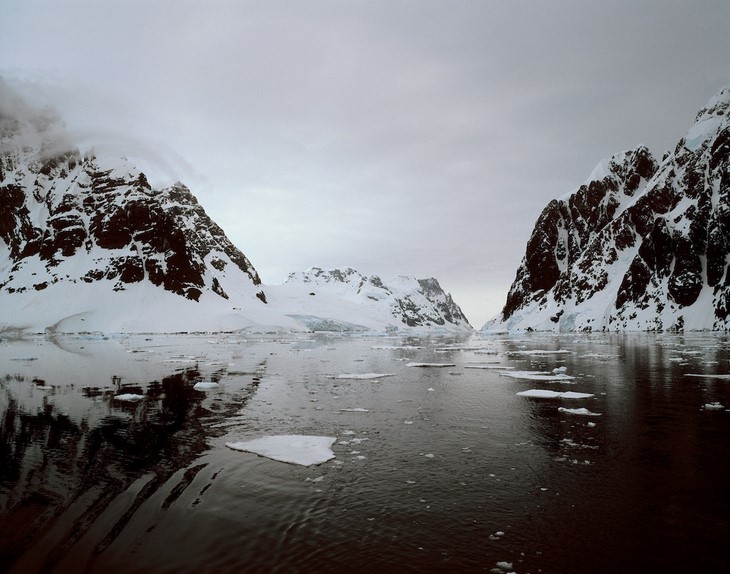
447 471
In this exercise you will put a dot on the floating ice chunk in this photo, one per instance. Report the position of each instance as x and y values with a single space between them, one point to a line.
581 411
395 347
431 390
545 394
430 365
504 565
541 352
703 376
562 369
714 406
129 397
355 410
365 376
296 449
496 536
574 395
205 386
537 376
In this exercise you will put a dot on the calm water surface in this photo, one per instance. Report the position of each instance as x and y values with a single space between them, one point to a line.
447 469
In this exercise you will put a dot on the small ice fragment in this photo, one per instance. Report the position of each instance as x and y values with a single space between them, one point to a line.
714 406
205 386
407 422
431 389
355 410
537 376
562 369
504 565
591 424
429 455
545 394
129 397
437 365
581 411
365 376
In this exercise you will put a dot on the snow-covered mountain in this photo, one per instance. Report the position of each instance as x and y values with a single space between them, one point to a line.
640 246
87 244
343 299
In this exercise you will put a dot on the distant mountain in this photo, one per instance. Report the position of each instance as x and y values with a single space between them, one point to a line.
87 244
344 299
641 245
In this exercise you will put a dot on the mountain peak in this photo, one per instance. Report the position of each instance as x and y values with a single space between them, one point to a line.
639 245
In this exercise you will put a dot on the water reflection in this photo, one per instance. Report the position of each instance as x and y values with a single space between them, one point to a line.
62 468
432 466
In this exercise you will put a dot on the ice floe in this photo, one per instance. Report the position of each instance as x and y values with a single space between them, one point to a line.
703 376
396 347
538 352
365 376
355 410
205 386
714 406
537 376
545 394
129 397
581 411
431 365
305 450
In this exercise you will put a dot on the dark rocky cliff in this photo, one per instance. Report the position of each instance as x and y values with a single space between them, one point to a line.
640 246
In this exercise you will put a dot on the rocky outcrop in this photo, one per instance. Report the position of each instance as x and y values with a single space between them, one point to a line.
640 245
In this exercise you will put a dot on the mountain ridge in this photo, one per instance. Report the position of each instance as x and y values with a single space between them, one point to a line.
87 244
644 245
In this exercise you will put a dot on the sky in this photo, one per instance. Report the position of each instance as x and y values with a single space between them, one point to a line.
417 138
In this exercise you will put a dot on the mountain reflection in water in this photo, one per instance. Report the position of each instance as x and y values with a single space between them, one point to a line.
436 469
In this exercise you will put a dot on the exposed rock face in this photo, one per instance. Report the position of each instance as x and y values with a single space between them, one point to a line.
67 218
640 245
411 302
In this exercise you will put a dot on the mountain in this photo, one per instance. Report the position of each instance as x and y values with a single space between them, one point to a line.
344 299
87 244
83 238
641 245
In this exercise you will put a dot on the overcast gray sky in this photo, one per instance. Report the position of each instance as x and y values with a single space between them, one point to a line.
397 137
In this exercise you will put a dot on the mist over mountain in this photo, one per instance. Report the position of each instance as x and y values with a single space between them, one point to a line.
88 244
641 245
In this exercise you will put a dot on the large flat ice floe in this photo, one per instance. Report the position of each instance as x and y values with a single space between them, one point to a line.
305 450
545 394
537 376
